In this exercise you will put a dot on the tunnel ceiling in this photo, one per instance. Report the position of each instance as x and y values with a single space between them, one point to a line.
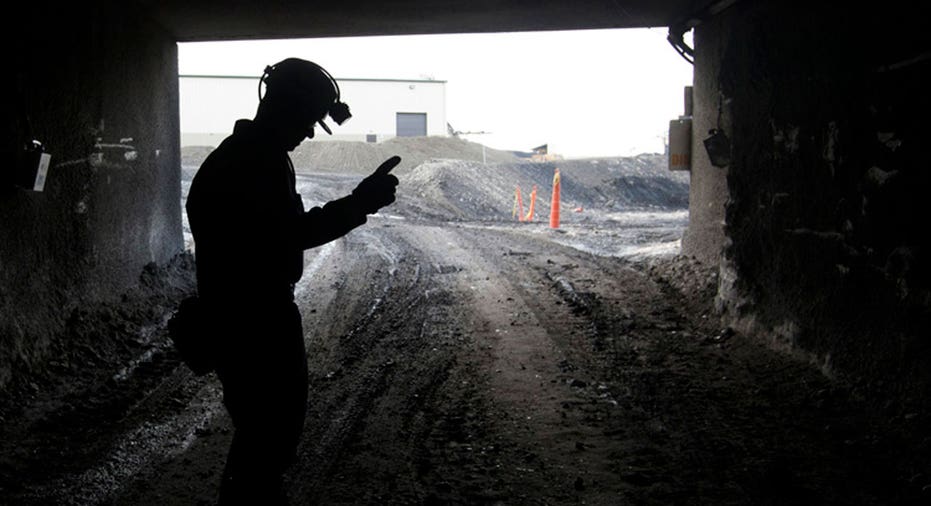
203 20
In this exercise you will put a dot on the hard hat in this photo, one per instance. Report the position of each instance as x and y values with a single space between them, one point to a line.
308 83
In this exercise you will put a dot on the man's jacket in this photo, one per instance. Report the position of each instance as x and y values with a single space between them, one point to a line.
249 224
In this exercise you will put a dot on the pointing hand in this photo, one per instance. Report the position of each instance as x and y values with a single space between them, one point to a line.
378 189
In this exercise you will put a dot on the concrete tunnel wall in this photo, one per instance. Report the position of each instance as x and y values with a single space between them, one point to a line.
87 76
818 221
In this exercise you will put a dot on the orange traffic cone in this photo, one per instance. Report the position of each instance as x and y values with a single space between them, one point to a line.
554 207
533 200
518 209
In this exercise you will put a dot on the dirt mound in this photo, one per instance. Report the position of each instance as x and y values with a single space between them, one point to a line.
457 190
467 190
362 157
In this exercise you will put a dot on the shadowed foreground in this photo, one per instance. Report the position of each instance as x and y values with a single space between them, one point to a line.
473 365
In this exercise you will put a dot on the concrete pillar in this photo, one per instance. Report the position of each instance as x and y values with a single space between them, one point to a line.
99 87
708 193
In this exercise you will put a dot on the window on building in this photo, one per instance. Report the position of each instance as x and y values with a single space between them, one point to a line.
412 124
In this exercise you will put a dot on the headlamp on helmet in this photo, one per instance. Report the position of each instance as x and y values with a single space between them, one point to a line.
306 80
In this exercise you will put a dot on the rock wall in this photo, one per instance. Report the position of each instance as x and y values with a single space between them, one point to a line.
97 85
824 249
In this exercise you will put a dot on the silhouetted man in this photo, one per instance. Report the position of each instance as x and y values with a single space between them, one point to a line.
250 231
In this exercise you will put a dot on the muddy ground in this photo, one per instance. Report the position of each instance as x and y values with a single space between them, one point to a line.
459 361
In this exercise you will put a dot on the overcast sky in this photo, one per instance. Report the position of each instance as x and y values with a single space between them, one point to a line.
585 93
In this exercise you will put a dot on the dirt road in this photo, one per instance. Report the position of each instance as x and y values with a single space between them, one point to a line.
462 364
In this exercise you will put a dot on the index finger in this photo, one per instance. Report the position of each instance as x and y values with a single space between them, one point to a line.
387 165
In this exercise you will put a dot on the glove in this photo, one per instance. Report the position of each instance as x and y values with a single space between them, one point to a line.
378 189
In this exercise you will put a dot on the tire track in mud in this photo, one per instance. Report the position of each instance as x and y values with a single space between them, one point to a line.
467 406
368 331
402 364
670 409
532 328
626 352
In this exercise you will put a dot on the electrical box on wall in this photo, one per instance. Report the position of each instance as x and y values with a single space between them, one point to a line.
680 144
32 170
680 136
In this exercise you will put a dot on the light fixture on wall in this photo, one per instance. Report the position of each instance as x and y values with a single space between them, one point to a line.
679 142
718 147
717 144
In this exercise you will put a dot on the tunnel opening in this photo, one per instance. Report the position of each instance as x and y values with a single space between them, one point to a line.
596 104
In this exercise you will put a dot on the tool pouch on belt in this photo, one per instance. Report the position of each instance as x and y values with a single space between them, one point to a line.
192 336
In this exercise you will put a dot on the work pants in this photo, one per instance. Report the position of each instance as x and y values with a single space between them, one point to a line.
263 367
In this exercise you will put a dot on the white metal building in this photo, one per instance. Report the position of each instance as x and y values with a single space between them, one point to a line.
381 108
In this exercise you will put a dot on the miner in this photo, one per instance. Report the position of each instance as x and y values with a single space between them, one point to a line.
250 231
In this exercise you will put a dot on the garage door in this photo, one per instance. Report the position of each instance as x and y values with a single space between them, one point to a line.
412 124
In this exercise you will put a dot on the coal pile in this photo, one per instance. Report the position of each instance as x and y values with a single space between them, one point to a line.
458 190
639 182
